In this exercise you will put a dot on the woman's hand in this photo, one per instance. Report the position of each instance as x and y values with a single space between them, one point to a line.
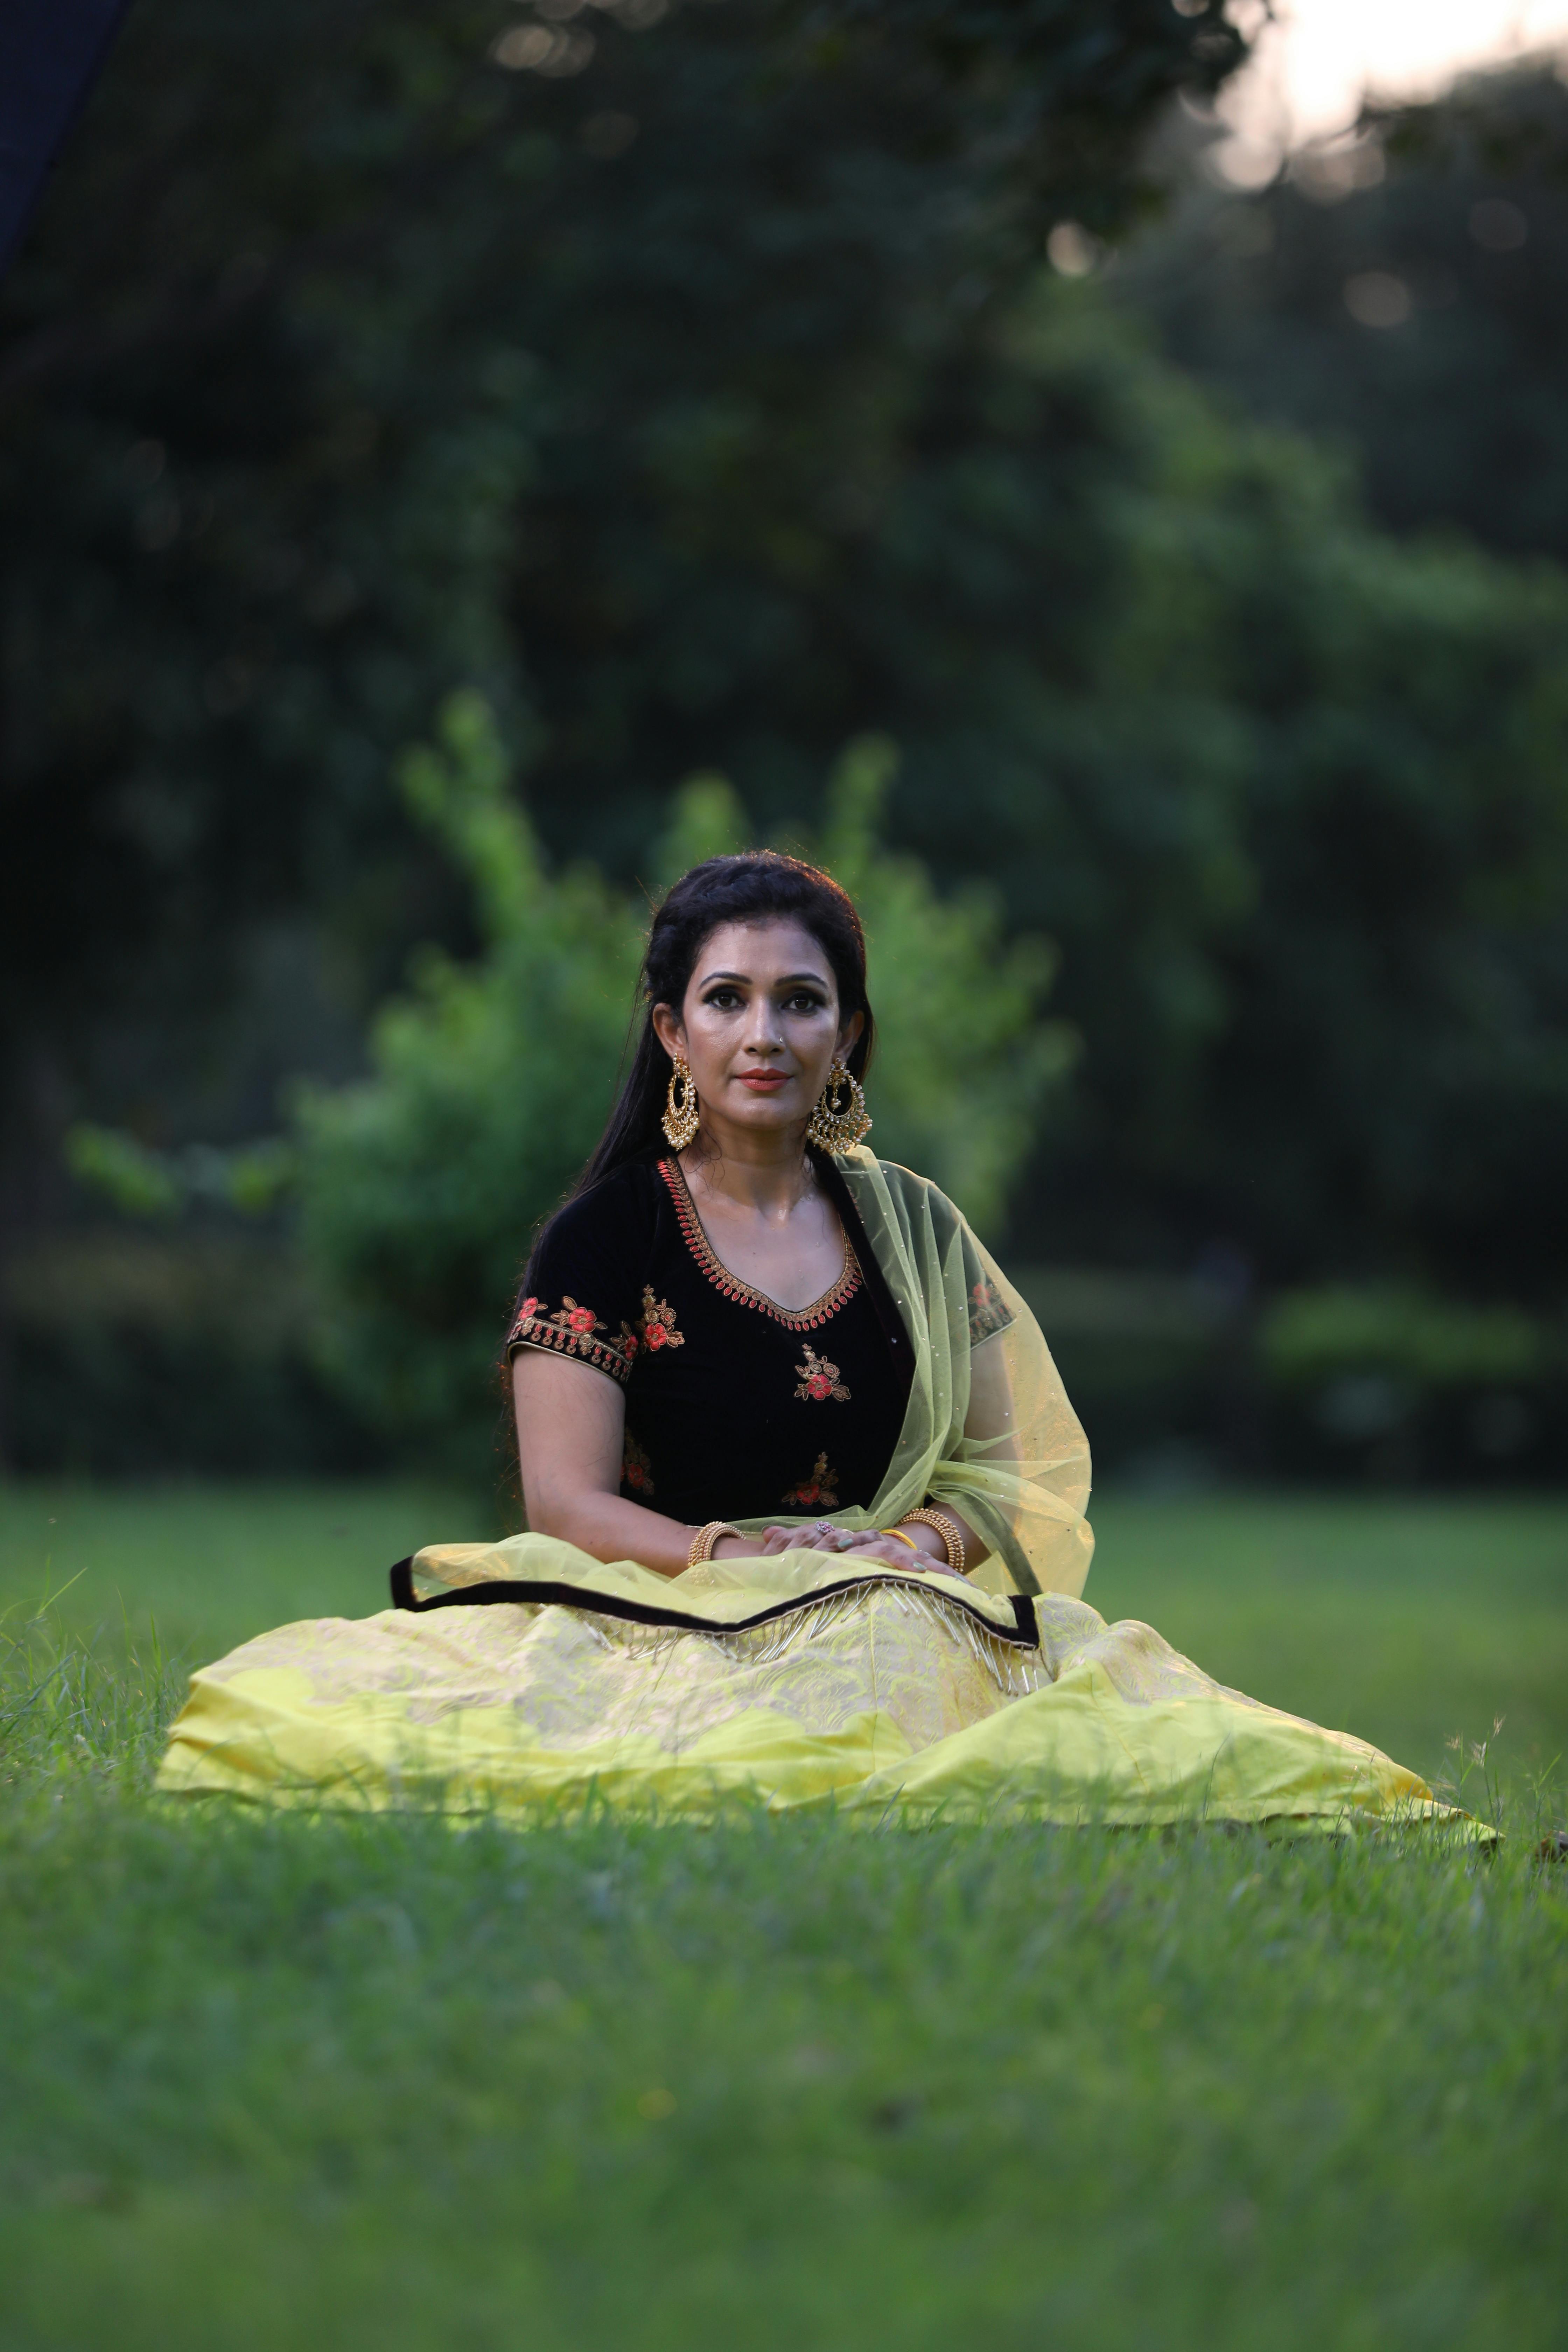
875 1544
856 1549
821 1535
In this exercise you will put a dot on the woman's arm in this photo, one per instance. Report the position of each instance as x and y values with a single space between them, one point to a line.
990 1415
927 1542
571 1430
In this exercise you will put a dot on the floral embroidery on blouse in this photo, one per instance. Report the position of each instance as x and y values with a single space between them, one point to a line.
570 1332
819 1379
987 1314
658 1324
637 1470
819 1492
573 1318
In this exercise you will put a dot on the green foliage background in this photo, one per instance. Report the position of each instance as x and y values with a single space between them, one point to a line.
701 399
1452 410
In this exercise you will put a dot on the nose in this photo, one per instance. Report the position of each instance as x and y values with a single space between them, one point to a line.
763 1031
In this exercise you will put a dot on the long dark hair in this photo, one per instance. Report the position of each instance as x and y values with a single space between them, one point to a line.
751 888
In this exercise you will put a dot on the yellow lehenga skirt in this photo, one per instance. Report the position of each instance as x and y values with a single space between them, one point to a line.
531 1678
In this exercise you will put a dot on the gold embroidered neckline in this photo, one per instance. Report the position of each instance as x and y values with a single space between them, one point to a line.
793 1318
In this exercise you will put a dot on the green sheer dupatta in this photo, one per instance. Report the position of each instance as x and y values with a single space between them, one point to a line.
988 1428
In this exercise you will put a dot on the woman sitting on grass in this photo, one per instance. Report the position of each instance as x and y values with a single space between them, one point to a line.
804 1495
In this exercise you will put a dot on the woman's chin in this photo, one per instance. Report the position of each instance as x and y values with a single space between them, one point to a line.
763 1113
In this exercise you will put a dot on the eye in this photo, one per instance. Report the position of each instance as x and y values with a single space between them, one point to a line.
805 1000
723 1000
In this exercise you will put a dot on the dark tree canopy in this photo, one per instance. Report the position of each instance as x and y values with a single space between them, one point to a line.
346 363
1401 291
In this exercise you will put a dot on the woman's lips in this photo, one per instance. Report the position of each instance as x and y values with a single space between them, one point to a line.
764 1082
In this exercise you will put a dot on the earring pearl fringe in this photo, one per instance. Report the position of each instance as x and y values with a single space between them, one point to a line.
840 1119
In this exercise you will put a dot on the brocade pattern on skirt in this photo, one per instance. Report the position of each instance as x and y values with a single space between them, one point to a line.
903 1693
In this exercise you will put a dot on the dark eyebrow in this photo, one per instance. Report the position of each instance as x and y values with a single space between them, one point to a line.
789 979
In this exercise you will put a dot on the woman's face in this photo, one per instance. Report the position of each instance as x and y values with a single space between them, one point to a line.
760 1024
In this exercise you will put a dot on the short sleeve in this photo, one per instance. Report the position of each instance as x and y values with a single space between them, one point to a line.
583 1293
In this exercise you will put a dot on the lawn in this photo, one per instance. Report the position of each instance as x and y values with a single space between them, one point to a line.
282 2083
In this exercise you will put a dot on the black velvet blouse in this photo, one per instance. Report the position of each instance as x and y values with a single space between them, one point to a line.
736 1407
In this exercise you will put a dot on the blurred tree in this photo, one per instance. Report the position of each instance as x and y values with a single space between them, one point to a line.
363 350
1399 289
490 1084
1391 1089
964 1066
1291 797
689 383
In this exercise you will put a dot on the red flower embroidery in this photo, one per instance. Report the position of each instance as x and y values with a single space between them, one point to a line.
658 1328
570 1332
579 1320
988 1313
819 1379
819 1492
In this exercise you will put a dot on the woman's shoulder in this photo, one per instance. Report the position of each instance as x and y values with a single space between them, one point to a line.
910 1190
620 1193
610 1216
916 1200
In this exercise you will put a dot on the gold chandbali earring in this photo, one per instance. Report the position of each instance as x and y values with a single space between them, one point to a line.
680 1105
841 1119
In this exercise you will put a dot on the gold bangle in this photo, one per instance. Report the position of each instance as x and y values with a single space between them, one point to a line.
900 1536
946 1528
703 1541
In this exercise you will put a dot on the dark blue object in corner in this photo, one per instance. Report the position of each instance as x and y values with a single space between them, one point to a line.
49 52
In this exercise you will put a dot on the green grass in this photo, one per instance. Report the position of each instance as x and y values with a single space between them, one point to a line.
1408 1621
277 2083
